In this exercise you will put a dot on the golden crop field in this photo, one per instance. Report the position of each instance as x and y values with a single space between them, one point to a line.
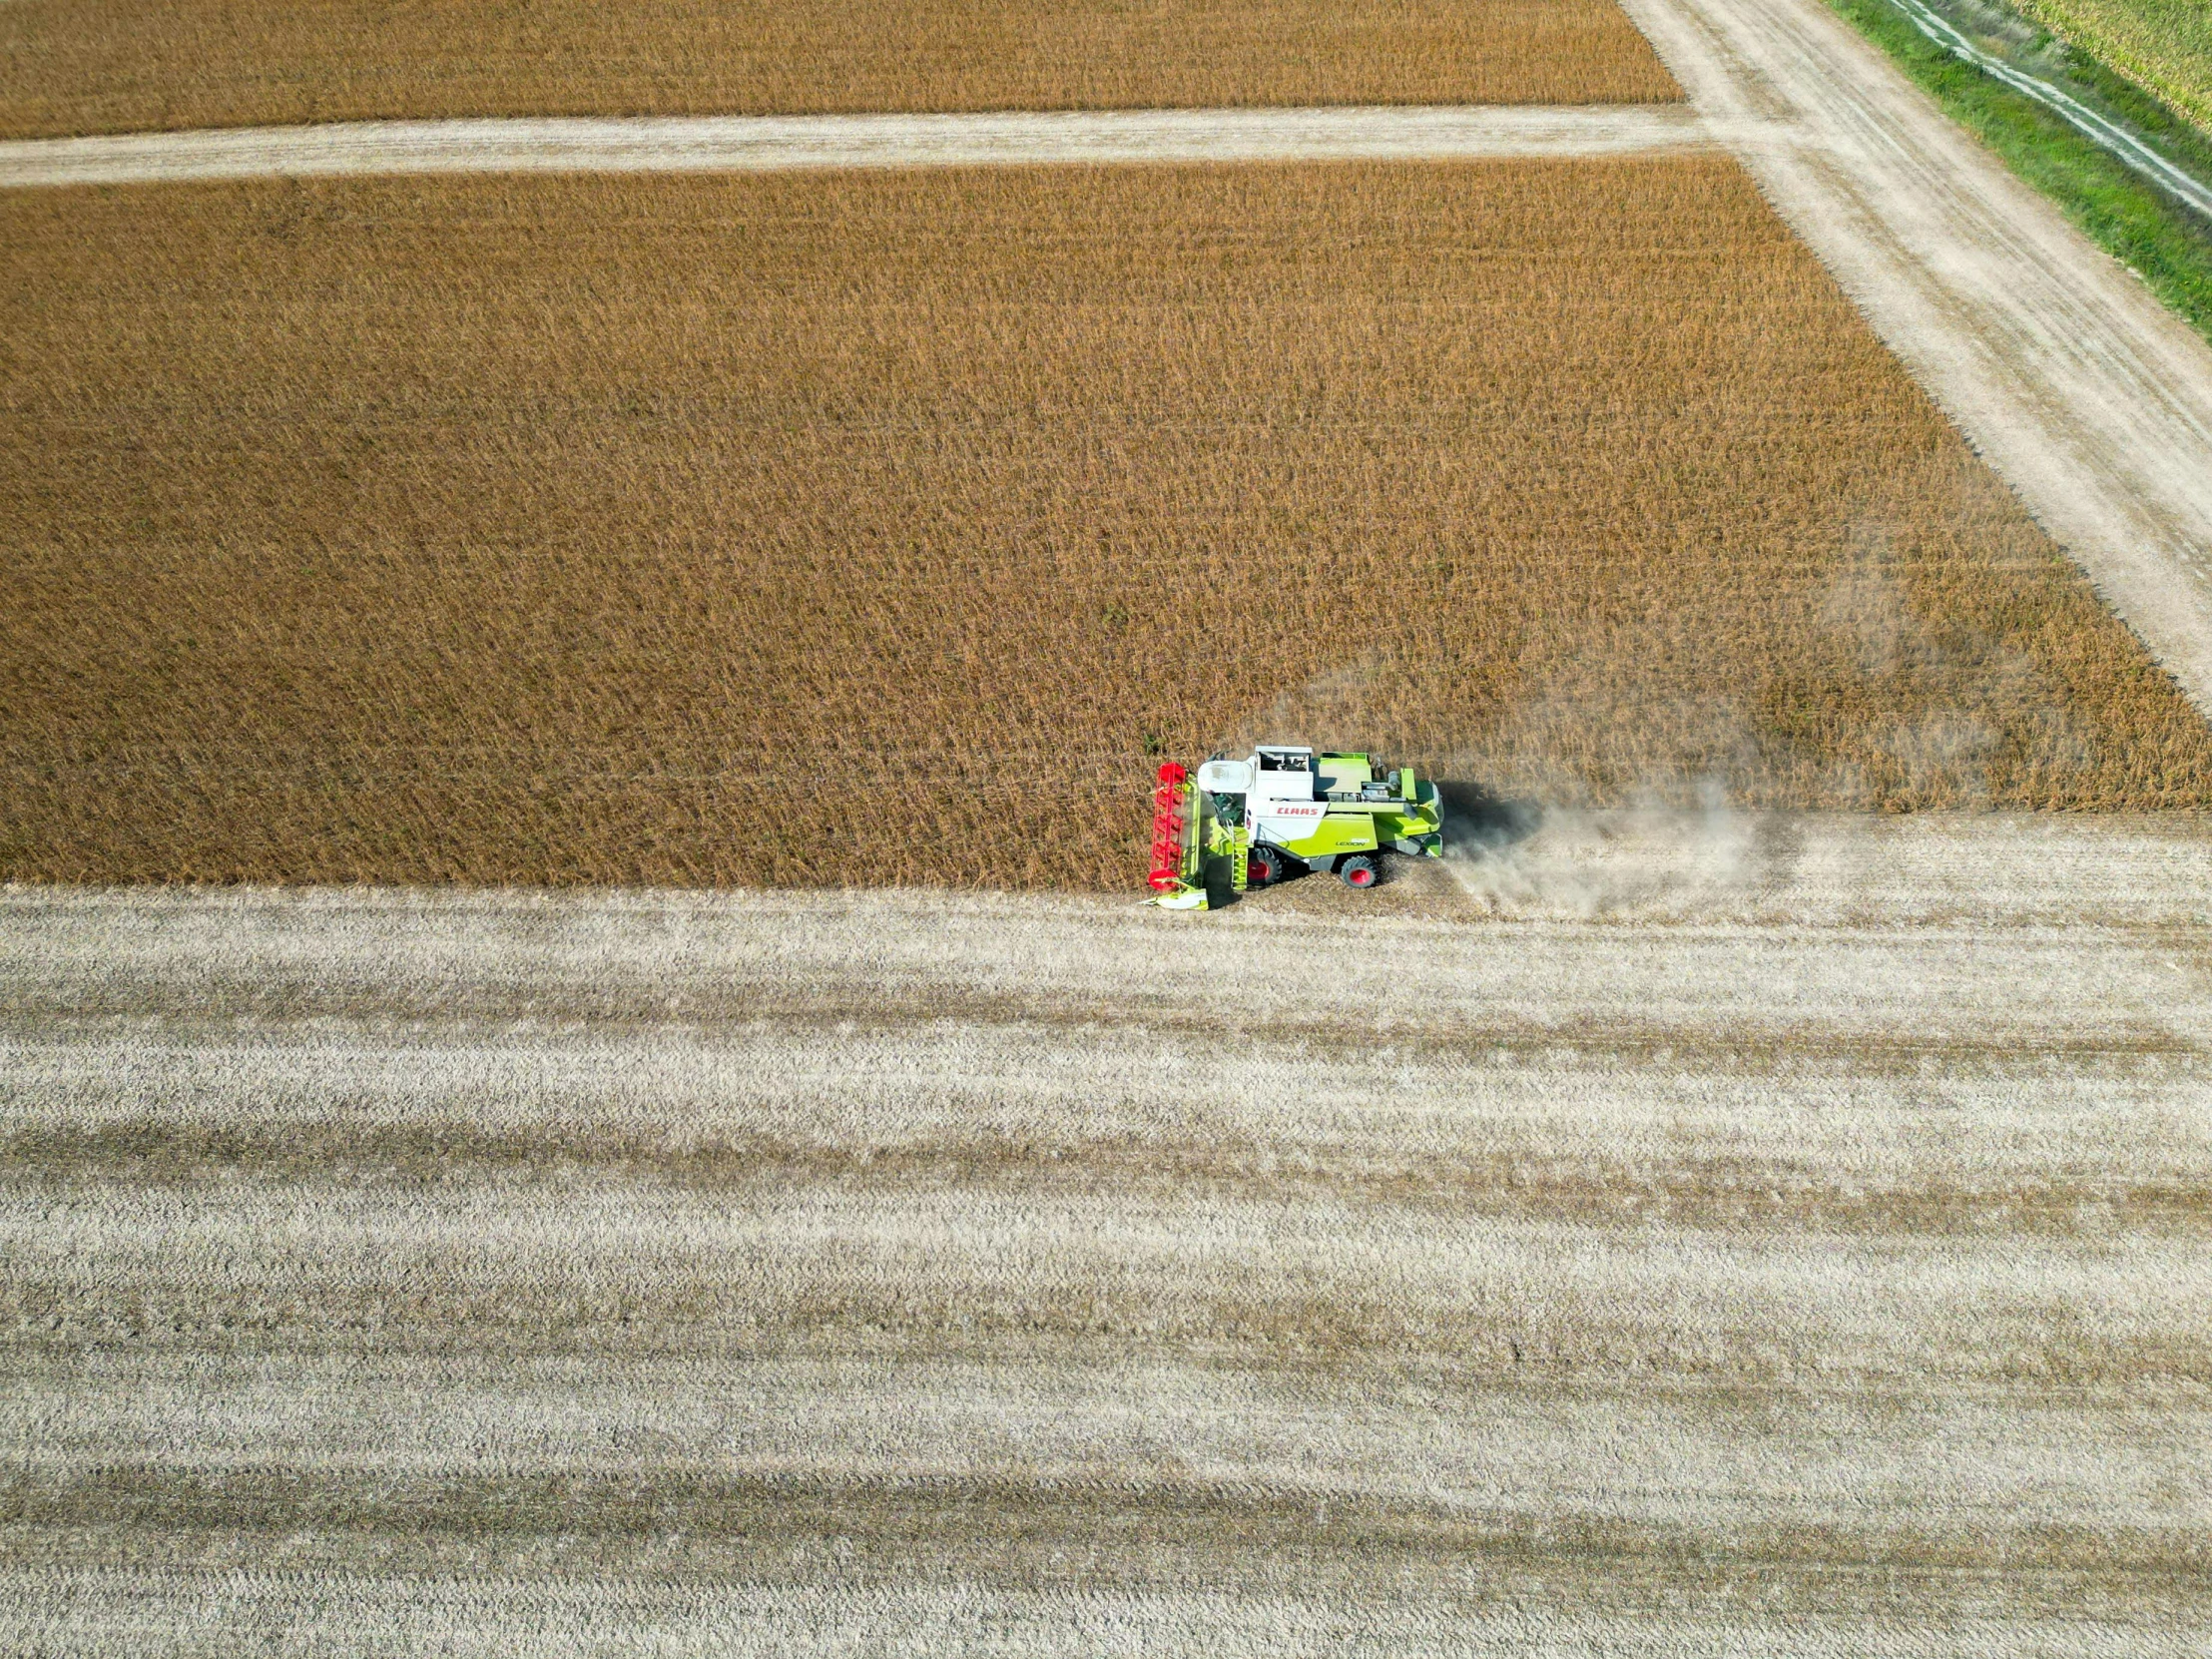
887 527
2164 44
83 66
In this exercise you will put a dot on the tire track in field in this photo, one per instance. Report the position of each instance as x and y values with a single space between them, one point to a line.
516 1268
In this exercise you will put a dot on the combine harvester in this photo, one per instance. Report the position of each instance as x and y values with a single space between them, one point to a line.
1247 824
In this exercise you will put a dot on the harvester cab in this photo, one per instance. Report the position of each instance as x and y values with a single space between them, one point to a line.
1282 811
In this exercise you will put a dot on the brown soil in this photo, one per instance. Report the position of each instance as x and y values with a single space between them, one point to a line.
86 66
886 527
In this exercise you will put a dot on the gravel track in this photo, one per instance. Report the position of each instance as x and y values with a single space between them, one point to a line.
1754 1235
758 142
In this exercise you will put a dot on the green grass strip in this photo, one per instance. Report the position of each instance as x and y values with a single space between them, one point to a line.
2153 234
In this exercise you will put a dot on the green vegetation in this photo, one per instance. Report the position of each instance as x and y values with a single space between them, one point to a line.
2164 242
2164 44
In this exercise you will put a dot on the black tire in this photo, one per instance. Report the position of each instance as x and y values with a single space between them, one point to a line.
1358 870
1266 866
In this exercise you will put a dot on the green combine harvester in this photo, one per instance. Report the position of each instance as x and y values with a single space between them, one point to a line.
1247 824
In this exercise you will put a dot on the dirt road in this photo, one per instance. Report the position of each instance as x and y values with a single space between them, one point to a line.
748 143
2090 398
1678 1235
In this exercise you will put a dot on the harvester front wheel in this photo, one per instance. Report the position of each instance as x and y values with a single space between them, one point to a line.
1264 866
1358 871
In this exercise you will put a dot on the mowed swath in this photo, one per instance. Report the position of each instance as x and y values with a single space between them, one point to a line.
86 66
778 1272
887 527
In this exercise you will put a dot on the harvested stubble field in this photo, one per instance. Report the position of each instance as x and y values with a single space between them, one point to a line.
883 527
786 1273
86 66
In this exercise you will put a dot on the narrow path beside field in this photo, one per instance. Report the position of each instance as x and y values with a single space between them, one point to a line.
1790 1202
2088 396
762 143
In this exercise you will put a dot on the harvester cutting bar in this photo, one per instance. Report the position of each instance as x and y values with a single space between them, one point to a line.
1167 828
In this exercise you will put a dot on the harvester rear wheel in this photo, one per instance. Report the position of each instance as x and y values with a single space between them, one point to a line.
1263 866
1358 871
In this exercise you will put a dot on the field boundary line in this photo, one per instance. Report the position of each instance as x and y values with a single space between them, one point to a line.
743 144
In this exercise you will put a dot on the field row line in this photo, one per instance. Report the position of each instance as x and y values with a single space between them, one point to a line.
718 143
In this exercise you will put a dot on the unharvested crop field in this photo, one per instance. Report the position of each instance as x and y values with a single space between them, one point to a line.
82 66
885 527
2164 44
789 1273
